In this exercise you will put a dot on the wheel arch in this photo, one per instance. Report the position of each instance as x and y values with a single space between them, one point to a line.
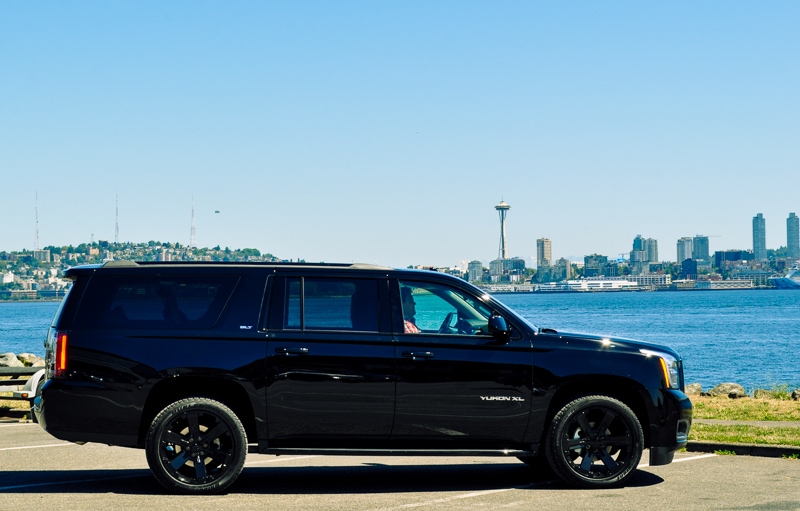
627 391
227 392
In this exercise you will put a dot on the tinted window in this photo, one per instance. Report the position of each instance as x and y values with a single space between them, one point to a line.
331 304
155 301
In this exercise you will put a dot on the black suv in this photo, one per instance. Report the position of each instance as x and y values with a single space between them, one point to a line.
200 363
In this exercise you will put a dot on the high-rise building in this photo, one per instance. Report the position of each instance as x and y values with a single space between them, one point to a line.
639 242
651 246
759 237
793 236
544 252
684 249
645 251
638 256
475 271
700 248
562 269
502 209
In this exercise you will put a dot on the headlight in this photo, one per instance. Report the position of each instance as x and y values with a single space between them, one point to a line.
669 366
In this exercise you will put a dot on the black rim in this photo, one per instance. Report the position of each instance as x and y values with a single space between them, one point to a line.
598 443
196 447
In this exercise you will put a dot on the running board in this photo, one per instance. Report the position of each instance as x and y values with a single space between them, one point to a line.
254 449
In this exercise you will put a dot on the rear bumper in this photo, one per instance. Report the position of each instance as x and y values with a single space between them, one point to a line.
70 413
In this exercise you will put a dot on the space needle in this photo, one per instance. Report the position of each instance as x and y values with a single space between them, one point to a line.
502 209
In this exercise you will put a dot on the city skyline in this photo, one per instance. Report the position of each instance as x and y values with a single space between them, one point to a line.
695 247
383 132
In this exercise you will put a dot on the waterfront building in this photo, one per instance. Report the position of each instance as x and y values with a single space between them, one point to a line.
514 265
638 256
496 269
645 251
724 284
793 236
651 279
593 265
475 271
589 285
759 237
610 269
700 248
689 269
684 249
563 269
722 256
544 252
512 269
651 247
755 276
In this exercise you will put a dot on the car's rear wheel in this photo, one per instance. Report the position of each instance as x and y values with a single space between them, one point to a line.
595 442
196 445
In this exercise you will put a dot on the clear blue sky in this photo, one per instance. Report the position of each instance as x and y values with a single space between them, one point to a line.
387 131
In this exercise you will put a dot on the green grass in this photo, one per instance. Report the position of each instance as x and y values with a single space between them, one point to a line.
741 434
773 404
765 407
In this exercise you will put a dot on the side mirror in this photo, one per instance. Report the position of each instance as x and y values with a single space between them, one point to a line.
499 328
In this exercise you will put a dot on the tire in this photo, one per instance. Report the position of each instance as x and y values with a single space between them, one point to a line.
196 446
39 386
594 442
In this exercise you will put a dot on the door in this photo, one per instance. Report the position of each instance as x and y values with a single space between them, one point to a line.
330 361
457 386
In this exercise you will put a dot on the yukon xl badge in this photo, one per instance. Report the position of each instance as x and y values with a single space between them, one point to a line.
502 398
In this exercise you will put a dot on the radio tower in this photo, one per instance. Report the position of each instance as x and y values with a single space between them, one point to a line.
502 209
193 235
116 220
36 211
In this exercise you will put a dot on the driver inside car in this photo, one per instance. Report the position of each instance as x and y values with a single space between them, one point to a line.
409 311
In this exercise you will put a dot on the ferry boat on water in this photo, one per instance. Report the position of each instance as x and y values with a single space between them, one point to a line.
791 280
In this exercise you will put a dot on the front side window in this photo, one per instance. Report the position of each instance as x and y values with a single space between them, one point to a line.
435 308
331 304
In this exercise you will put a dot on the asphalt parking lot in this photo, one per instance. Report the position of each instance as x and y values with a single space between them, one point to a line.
39 472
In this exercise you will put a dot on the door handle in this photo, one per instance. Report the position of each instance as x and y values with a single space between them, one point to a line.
289 352
414 355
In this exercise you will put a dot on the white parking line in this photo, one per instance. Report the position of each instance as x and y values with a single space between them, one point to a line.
454 498
678 460
692 458
35 446
500 490
278 460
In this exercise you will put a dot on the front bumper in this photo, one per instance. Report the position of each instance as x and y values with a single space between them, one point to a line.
671 432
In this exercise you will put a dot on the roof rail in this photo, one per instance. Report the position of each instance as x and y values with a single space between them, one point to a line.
119 264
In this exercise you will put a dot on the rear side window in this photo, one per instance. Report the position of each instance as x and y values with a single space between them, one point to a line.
155 301
331 304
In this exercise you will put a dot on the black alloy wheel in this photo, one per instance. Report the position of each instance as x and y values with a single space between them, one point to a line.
196 445
595 442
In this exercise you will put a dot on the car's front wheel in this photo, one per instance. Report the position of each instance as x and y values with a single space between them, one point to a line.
595 442
196 445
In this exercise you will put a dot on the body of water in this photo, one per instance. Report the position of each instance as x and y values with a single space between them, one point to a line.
748 337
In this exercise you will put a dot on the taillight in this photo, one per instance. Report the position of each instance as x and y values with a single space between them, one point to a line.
61 354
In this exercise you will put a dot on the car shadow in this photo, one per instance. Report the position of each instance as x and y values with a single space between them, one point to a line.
368 478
